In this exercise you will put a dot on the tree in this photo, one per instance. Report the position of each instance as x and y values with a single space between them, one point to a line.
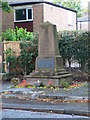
5 6
73 45
81 49
66 45
73 4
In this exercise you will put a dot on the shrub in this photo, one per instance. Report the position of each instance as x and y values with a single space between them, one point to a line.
9 35
23 35
15 81
73 45
18 34
64 83
28 54
25 63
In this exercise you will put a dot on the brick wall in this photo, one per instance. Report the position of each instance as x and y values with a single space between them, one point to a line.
14 45
7 20
37 16
28 25
59 17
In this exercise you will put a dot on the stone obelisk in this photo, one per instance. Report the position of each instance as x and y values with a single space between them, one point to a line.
49 63
48 52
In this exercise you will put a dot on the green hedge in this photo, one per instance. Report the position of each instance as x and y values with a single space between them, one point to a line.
73 45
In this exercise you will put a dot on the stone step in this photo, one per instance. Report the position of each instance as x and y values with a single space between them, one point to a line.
61 73
51 77
62 76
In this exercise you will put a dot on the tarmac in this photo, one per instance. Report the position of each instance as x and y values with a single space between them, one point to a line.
70 102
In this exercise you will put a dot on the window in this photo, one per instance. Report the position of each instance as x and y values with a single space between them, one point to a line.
29 13
70 19
21 15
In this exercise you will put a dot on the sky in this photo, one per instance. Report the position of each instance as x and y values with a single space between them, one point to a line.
84 2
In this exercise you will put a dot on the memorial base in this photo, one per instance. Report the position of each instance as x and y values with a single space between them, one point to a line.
49 63
56 80
49 69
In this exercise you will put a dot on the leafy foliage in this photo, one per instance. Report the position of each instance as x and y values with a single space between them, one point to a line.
5 6
66 45
9 35
18 34
15 81
22 34
64 83
81 48
74 45
8 52
29 52
24 63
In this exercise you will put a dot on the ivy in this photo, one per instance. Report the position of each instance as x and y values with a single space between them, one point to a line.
5 6
29 52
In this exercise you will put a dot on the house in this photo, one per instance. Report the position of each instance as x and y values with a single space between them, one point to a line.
31 13
83 23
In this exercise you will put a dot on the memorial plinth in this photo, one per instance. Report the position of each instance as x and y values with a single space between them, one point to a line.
49 63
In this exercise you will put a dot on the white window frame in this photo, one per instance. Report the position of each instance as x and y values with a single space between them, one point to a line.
26 15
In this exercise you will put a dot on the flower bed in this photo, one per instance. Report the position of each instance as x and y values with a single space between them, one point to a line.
50 85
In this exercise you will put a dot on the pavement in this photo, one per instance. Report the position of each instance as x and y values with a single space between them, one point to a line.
69 102
44 106
29 114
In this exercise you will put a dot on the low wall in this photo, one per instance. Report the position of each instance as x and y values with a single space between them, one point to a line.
14 45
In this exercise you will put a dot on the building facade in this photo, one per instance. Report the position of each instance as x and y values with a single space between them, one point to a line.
83 23
30 15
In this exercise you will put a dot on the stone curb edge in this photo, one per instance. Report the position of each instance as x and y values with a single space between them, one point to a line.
46 97
62 111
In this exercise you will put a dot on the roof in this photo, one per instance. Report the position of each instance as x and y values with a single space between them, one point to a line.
31 2
20 1
83 19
